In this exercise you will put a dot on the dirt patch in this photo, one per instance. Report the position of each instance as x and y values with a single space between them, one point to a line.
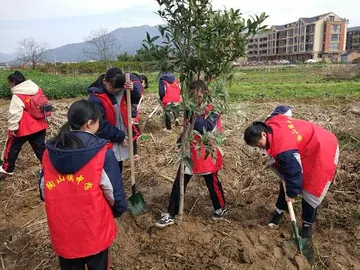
242 241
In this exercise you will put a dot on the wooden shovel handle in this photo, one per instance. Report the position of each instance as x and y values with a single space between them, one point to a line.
130 133
289 204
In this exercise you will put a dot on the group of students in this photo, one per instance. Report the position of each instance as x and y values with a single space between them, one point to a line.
81 179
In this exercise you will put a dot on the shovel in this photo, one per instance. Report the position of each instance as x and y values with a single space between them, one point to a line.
136 202
303 244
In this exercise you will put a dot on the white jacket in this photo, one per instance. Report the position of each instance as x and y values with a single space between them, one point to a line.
17 105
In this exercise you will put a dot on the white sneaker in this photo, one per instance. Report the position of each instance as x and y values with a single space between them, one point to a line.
219 214
167 130
165 220
2 171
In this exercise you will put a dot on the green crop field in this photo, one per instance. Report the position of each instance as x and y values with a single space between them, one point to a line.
246 84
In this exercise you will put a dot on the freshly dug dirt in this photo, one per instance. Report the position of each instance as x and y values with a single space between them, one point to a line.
242 241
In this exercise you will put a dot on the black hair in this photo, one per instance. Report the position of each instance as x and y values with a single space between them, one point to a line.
79 113
198 85
16 78
114 76
145 79
253 133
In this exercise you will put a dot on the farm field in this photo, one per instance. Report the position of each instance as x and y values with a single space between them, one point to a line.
242 241
333 81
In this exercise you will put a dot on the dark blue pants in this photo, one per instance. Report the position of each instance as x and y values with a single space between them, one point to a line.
98 261
213 184
308 212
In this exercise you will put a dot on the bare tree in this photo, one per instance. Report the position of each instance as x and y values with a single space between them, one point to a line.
31 51
102 46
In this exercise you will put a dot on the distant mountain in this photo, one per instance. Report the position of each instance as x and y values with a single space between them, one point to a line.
129 40
7 57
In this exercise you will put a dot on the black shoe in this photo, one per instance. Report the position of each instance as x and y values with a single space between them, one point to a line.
306 231
275 220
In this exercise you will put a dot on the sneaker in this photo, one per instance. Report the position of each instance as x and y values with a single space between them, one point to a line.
306 231
2 171
275 220
219 213
167 130
165 220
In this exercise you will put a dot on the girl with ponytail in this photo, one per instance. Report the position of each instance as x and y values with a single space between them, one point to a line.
83 191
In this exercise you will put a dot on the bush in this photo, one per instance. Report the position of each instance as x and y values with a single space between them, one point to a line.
54 86
98 67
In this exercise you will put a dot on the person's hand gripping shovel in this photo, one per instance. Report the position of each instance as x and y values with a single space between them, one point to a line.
303 245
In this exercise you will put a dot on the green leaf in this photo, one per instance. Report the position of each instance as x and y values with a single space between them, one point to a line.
154 39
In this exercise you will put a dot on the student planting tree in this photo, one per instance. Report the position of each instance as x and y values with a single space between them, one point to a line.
200 43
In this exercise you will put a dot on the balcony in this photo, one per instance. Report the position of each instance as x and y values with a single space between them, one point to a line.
335 20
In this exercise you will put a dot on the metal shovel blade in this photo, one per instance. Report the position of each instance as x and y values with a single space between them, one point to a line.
307 248
136 202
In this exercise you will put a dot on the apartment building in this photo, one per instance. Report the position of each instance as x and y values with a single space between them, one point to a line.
353 39
320 37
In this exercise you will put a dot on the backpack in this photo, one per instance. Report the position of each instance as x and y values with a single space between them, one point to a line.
40 106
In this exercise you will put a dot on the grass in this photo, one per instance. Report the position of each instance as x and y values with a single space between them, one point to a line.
291 82
247 84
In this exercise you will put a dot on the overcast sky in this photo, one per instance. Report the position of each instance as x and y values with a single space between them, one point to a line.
59 22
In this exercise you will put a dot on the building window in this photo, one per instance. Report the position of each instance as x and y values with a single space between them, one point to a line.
332 18
334 46
335 37
335 28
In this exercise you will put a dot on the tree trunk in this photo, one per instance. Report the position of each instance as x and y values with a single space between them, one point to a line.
182 170
185 145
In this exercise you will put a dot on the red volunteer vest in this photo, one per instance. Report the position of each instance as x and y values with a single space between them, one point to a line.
110 114
80 219
172 93
208 165
317 148
28 124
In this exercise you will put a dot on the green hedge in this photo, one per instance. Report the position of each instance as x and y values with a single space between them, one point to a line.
97 67
54 86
